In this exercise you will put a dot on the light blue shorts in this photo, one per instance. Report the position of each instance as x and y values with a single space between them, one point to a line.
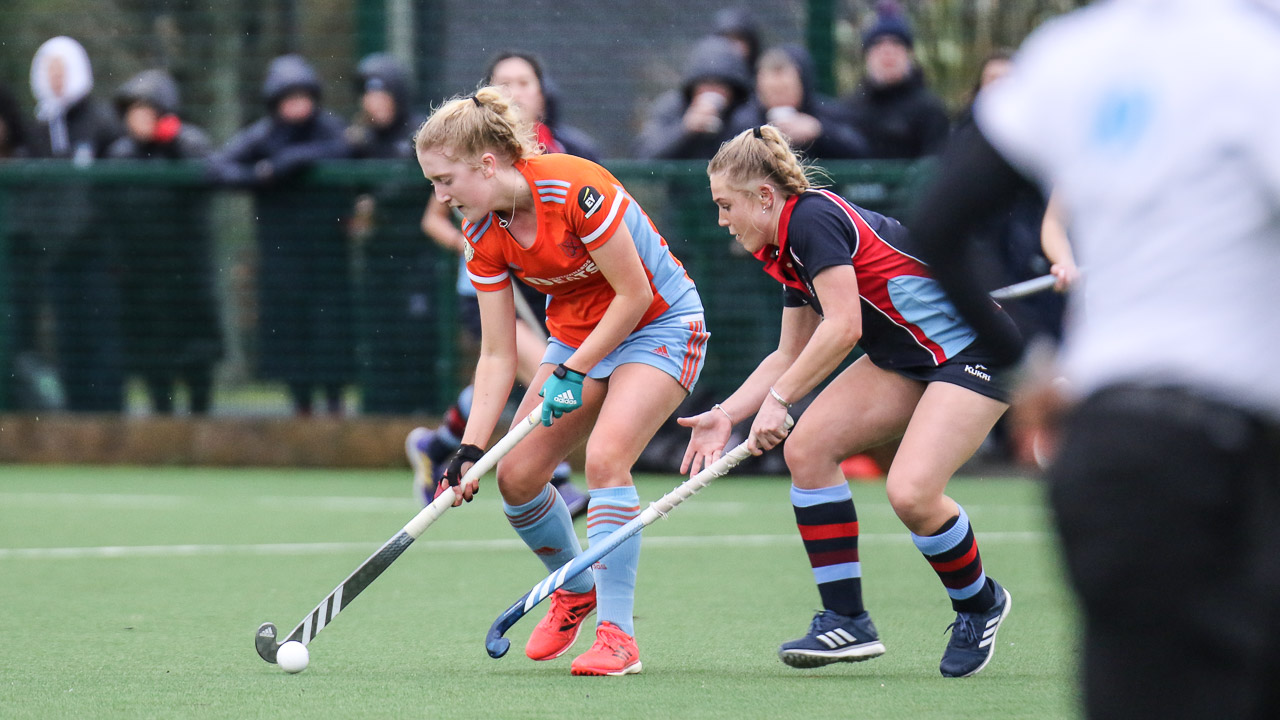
674 343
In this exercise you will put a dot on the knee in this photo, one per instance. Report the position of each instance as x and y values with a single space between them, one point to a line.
806 458
913 502
517 483
604 468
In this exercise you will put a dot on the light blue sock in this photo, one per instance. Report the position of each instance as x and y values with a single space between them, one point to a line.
610 509
546 527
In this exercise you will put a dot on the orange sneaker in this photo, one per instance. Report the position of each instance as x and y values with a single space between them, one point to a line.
615 653
559 628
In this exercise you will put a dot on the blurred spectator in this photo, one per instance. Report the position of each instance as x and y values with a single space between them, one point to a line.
397 320
690 122
305 318
170 320
739 26
891 107
785 98
13 129
62 251
536 95
993 67
1011 243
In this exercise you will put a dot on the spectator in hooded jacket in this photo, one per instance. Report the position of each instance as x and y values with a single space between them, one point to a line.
785 98
891 107
62 253
305 314
398 327
172 334
692 121
739 26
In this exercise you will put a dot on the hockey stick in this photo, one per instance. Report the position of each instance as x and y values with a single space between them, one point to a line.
497 645
372 567
1024 288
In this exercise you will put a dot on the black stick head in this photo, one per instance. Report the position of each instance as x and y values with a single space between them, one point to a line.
495 645
266 642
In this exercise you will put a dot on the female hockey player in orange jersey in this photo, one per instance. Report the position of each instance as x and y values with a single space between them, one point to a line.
627 344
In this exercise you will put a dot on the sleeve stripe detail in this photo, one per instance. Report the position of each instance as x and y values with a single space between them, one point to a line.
472 232
552 199
608 220
559 183
482 280
562 192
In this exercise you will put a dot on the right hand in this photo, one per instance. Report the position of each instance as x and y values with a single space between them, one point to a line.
711 432
462 460
1065 275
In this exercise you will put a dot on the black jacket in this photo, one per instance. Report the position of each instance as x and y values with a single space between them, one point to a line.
901 121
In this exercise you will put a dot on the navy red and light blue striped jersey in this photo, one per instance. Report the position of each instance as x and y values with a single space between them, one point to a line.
907 320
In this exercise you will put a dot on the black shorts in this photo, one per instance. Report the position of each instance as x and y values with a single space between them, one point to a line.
970 368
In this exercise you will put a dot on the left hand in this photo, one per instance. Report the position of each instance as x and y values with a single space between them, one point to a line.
769 428
561 393
462 460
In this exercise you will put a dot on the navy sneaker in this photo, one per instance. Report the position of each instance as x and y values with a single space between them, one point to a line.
833 638
577 500
973 637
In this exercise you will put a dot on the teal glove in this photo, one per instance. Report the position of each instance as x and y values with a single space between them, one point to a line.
561 393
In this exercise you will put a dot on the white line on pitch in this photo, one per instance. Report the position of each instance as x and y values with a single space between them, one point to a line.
656 542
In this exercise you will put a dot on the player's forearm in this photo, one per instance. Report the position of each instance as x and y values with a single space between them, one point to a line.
830 344
619 321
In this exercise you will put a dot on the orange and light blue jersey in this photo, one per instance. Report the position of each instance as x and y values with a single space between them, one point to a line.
579 207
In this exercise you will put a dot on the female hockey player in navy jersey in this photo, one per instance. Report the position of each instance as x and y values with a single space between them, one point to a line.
850 281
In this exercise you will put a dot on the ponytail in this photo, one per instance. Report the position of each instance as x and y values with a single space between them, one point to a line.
467 126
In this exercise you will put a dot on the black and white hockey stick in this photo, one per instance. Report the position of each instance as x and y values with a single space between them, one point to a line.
497 645
370 569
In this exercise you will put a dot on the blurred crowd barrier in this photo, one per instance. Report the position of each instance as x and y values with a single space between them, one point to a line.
119 277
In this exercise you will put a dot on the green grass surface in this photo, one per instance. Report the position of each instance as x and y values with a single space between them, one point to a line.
150 609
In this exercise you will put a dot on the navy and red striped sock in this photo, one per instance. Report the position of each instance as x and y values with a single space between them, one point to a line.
953 553
829 527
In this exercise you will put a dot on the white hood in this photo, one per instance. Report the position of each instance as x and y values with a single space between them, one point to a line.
78 76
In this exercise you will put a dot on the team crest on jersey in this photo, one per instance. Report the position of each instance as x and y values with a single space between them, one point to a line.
572 248
590 200
468 251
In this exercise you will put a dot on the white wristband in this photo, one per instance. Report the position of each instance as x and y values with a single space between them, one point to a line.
717 406
779 398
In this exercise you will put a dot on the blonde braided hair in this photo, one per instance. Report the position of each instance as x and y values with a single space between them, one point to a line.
763 153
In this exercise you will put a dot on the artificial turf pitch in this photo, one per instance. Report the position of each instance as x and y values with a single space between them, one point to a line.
135 593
